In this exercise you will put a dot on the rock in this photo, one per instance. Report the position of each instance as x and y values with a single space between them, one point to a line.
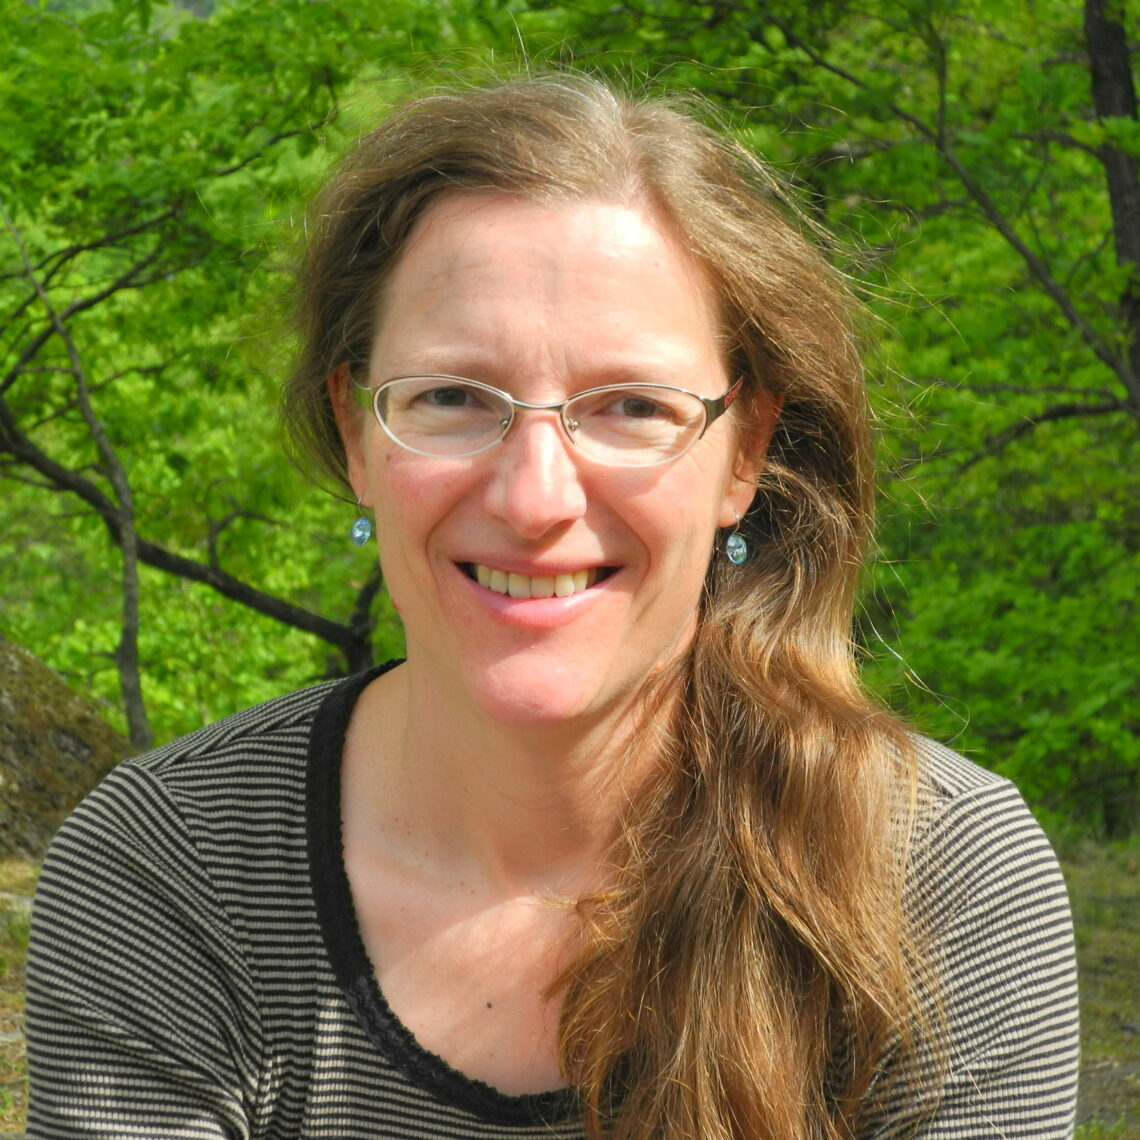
55 746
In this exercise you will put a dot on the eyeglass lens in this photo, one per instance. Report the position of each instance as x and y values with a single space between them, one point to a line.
635 425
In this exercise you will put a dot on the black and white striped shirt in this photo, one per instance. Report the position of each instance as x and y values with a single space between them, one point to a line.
196 971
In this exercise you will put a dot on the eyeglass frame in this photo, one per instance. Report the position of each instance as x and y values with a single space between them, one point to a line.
714 407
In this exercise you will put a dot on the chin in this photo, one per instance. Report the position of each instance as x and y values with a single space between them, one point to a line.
528 696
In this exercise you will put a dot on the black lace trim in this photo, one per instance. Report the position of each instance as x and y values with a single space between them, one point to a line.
333 898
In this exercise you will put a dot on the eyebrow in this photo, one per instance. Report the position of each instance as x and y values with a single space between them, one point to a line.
501 374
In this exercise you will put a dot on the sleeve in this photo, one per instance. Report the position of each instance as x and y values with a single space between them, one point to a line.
996 902
141 1015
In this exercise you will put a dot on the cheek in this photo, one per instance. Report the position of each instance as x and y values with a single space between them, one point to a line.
413 499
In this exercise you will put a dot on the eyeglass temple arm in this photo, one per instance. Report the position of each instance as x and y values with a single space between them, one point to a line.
364 394
716 406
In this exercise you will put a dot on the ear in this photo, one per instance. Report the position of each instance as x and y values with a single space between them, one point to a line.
738 497
754 440
352 425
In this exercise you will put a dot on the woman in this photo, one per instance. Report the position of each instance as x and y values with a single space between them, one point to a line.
621 848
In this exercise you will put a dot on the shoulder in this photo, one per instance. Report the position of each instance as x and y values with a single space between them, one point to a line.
949 774
239 785
275 728
973 821
987 889
226 762
992 913
978 846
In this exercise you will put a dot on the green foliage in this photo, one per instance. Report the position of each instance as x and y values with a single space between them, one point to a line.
167 150
157 164
954 143
1020 601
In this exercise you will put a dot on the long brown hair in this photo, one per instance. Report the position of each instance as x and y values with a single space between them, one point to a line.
754 961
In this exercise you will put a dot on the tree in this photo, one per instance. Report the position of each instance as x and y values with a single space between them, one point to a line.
984 159
147 156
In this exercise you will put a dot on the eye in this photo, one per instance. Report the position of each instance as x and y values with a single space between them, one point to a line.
431 395
646 406
455 396
638 408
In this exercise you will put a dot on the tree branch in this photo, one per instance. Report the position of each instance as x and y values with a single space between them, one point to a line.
281 136
1114 97
1061 138
219 525
996 443
342 637
127 653
360 619
1119 364
128 280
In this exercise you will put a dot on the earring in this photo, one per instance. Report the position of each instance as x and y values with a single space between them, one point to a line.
361 529
735 547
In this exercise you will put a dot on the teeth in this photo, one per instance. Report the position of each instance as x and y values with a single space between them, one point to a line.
522 586
542 587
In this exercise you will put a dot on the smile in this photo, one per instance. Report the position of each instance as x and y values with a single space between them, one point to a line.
523 586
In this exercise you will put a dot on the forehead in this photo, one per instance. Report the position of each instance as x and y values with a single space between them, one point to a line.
504 274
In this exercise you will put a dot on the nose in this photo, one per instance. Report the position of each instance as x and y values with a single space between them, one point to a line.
535 485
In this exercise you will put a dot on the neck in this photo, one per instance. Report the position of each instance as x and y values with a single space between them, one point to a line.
467 799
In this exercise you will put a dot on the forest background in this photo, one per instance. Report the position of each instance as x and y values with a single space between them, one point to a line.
978 160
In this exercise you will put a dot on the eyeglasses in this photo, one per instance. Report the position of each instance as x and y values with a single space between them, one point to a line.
626 425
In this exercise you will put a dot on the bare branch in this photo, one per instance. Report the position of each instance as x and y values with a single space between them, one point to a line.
219 525
1037 267
342 637
10 469
1089 255
61 256
360 619
1061 138
127 653
996 443
131 279
272 141
1040 270
93 387
229 586
52 263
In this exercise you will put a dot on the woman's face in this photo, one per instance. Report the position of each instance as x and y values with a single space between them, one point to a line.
543 301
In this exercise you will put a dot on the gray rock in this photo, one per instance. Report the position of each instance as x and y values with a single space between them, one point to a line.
55 746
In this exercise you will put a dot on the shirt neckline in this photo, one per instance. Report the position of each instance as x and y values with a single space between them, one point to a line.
344 945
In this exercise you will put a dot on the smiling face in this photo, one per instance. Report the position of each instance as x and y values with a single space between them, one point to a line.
543 301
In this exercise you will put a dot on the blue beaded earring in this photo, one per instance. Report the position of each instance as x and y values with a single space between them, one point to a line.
735 546
361 529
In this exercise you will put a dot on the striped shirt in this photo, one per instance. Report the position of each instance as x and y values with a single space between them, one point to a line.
196 970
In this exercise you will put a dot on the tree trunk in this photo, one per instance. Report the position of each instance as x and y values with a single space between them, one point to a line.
127 653
1114 97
